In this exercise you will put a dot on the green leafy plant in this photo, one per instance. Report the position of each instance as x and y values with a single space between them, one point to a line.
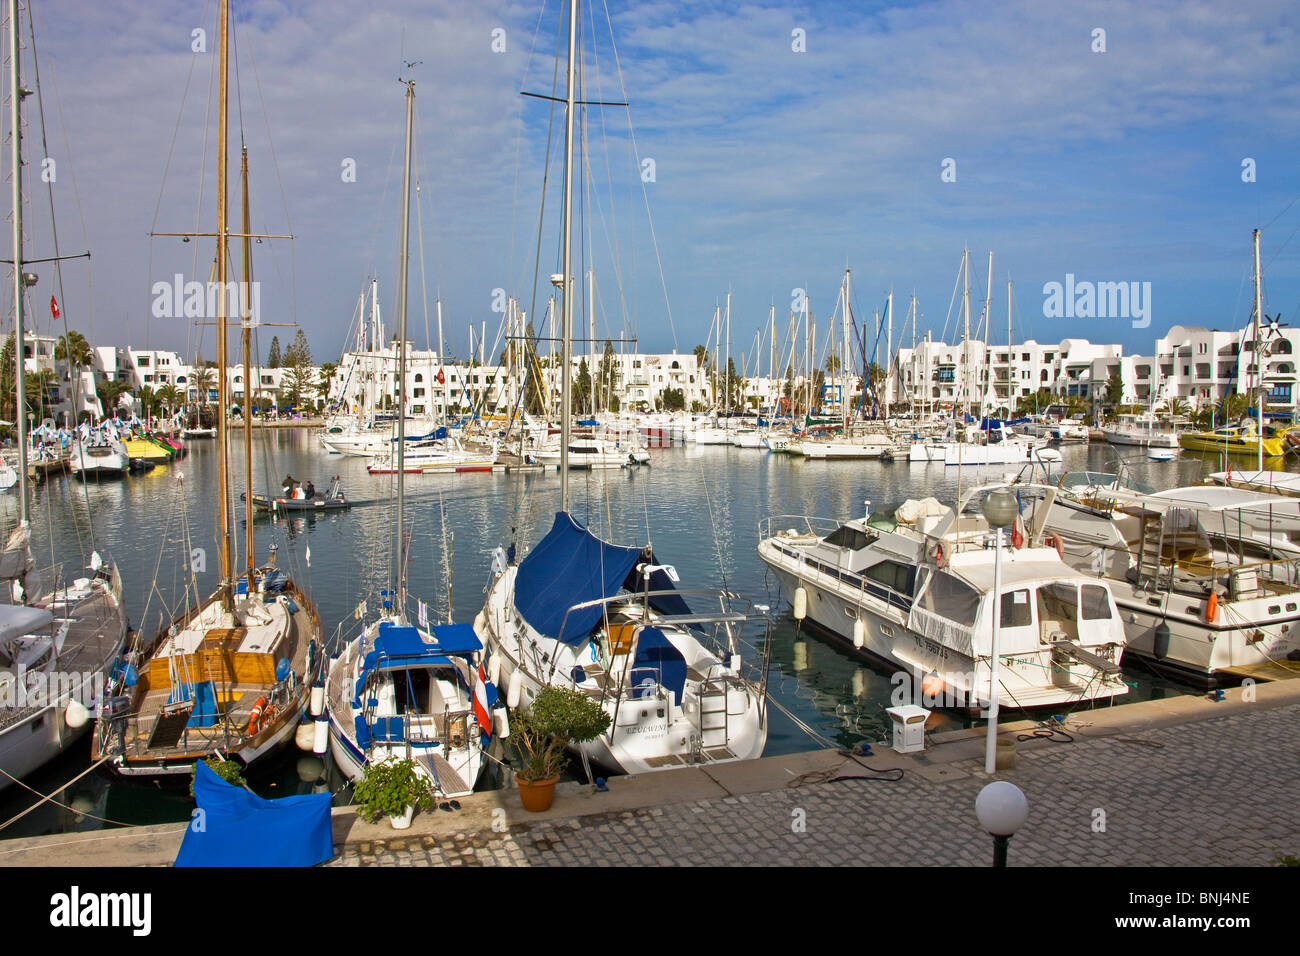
555 718
388 787
1287 860
228 770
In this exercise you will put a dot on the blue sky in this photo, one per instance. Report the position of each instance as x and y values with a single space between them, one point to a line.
774 169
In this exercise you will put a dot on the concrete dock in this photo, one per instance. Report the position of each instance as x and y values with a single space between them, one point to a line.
1183 781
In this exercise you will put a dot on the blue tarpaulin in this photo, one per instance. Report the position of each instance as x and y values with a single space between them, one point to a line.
569 566
238 828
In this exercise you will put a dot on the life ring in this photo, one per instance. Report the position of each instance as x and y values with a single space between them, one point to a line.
260 709
1212 607
1053 540
940 558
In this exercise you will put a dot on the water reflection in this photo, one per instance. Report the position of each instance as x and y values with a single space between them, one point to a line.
700 508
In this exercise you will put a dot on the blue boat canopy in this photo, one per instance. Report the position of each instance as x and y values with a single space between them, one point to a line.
993 424
569 566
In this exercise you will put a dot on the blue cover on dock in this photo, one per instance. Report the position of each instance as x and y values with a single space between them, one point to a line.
569 566
242 829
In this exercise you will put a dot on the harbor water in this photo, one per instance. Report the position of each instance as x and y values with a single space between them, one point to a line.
699 507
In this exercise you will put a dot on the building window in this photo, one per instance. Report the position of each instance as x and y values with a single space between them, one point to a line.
142 361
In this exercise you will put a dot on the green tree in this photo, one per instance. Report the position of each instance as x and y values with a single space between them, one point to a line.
298 381
607 378
273 358
701 356
326 376
674 399
168 398
110 394
581 393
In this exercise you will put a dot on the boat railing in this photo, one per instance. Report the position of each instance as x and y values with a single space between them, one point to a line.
796 528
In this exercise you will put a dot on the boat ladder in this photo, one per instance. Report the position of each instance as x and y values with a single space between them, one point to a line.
1152 547
714 718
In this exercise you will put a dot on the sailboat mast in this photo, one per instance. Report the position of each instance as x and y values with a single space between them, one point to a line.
566 356
250 559
15 123
223 232
1259 363
399 591
1011 361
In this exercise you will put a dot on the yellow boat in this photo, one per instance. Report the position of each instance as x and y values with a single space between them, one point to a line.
144 449
1233 440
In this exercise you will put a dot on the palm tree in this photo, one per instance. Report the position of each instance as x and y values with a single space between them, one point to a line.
168 397
1177 407
110 392
701 356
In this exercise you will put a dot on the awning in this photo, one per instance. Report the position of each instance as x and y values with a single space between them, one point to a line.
569 566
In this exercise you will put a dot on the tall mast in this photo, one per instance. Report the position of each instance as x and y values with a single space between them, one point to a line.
1259 363
249 557
399 595
442 362
1010 358
988 330
727 366
566 358
16 94
889 348
844 361
223 238
965 337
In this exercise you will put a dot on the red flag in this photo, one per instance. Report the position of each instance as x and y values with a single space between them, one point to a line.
54 306
441 378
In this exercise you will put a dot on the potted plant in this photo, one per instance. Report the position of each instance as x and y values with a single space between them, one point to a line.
554 719
394 789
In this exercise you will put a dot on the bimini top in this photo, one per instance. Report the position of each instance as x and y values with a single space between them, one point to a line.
399 645
570 566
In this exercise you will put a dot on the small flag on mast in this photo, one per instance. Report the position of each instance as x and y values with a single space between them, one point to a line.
423 611
54 306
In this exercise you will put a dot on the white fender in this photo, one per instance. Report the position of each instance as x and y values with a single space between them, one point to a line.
800 603
515 689
859 632
494 670
305 736
501 723
317 700
321 738
76 715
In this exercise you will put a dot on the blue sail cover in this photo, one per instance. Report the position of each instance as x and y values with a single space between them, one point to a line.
242 829
569 566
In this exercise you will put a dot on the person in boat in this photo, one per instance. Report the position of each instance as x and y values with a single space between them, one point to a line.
289 485
311 491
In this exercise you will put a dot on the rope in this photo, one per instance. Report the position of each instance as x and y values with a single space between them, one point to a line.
813 777
50 798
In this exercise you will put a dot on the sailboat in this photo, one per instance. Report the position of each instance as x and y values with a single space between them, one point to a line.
607 620
58 645
230 675
398 690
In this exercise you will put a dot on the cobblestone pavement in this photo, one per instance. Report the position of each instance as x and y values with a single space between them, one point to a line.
1216 792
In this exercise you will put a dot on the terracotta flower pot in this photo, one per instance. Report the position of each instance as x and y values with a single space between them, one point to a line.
537 795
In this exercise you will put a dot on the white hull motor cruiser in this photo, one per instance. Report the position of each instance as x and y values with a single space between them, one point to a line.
579 613
593 454
398 692
913 588
1200 589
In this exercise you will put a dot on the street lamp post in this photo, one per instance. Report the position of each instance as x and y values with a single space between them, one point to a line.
1002 810
1000 509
